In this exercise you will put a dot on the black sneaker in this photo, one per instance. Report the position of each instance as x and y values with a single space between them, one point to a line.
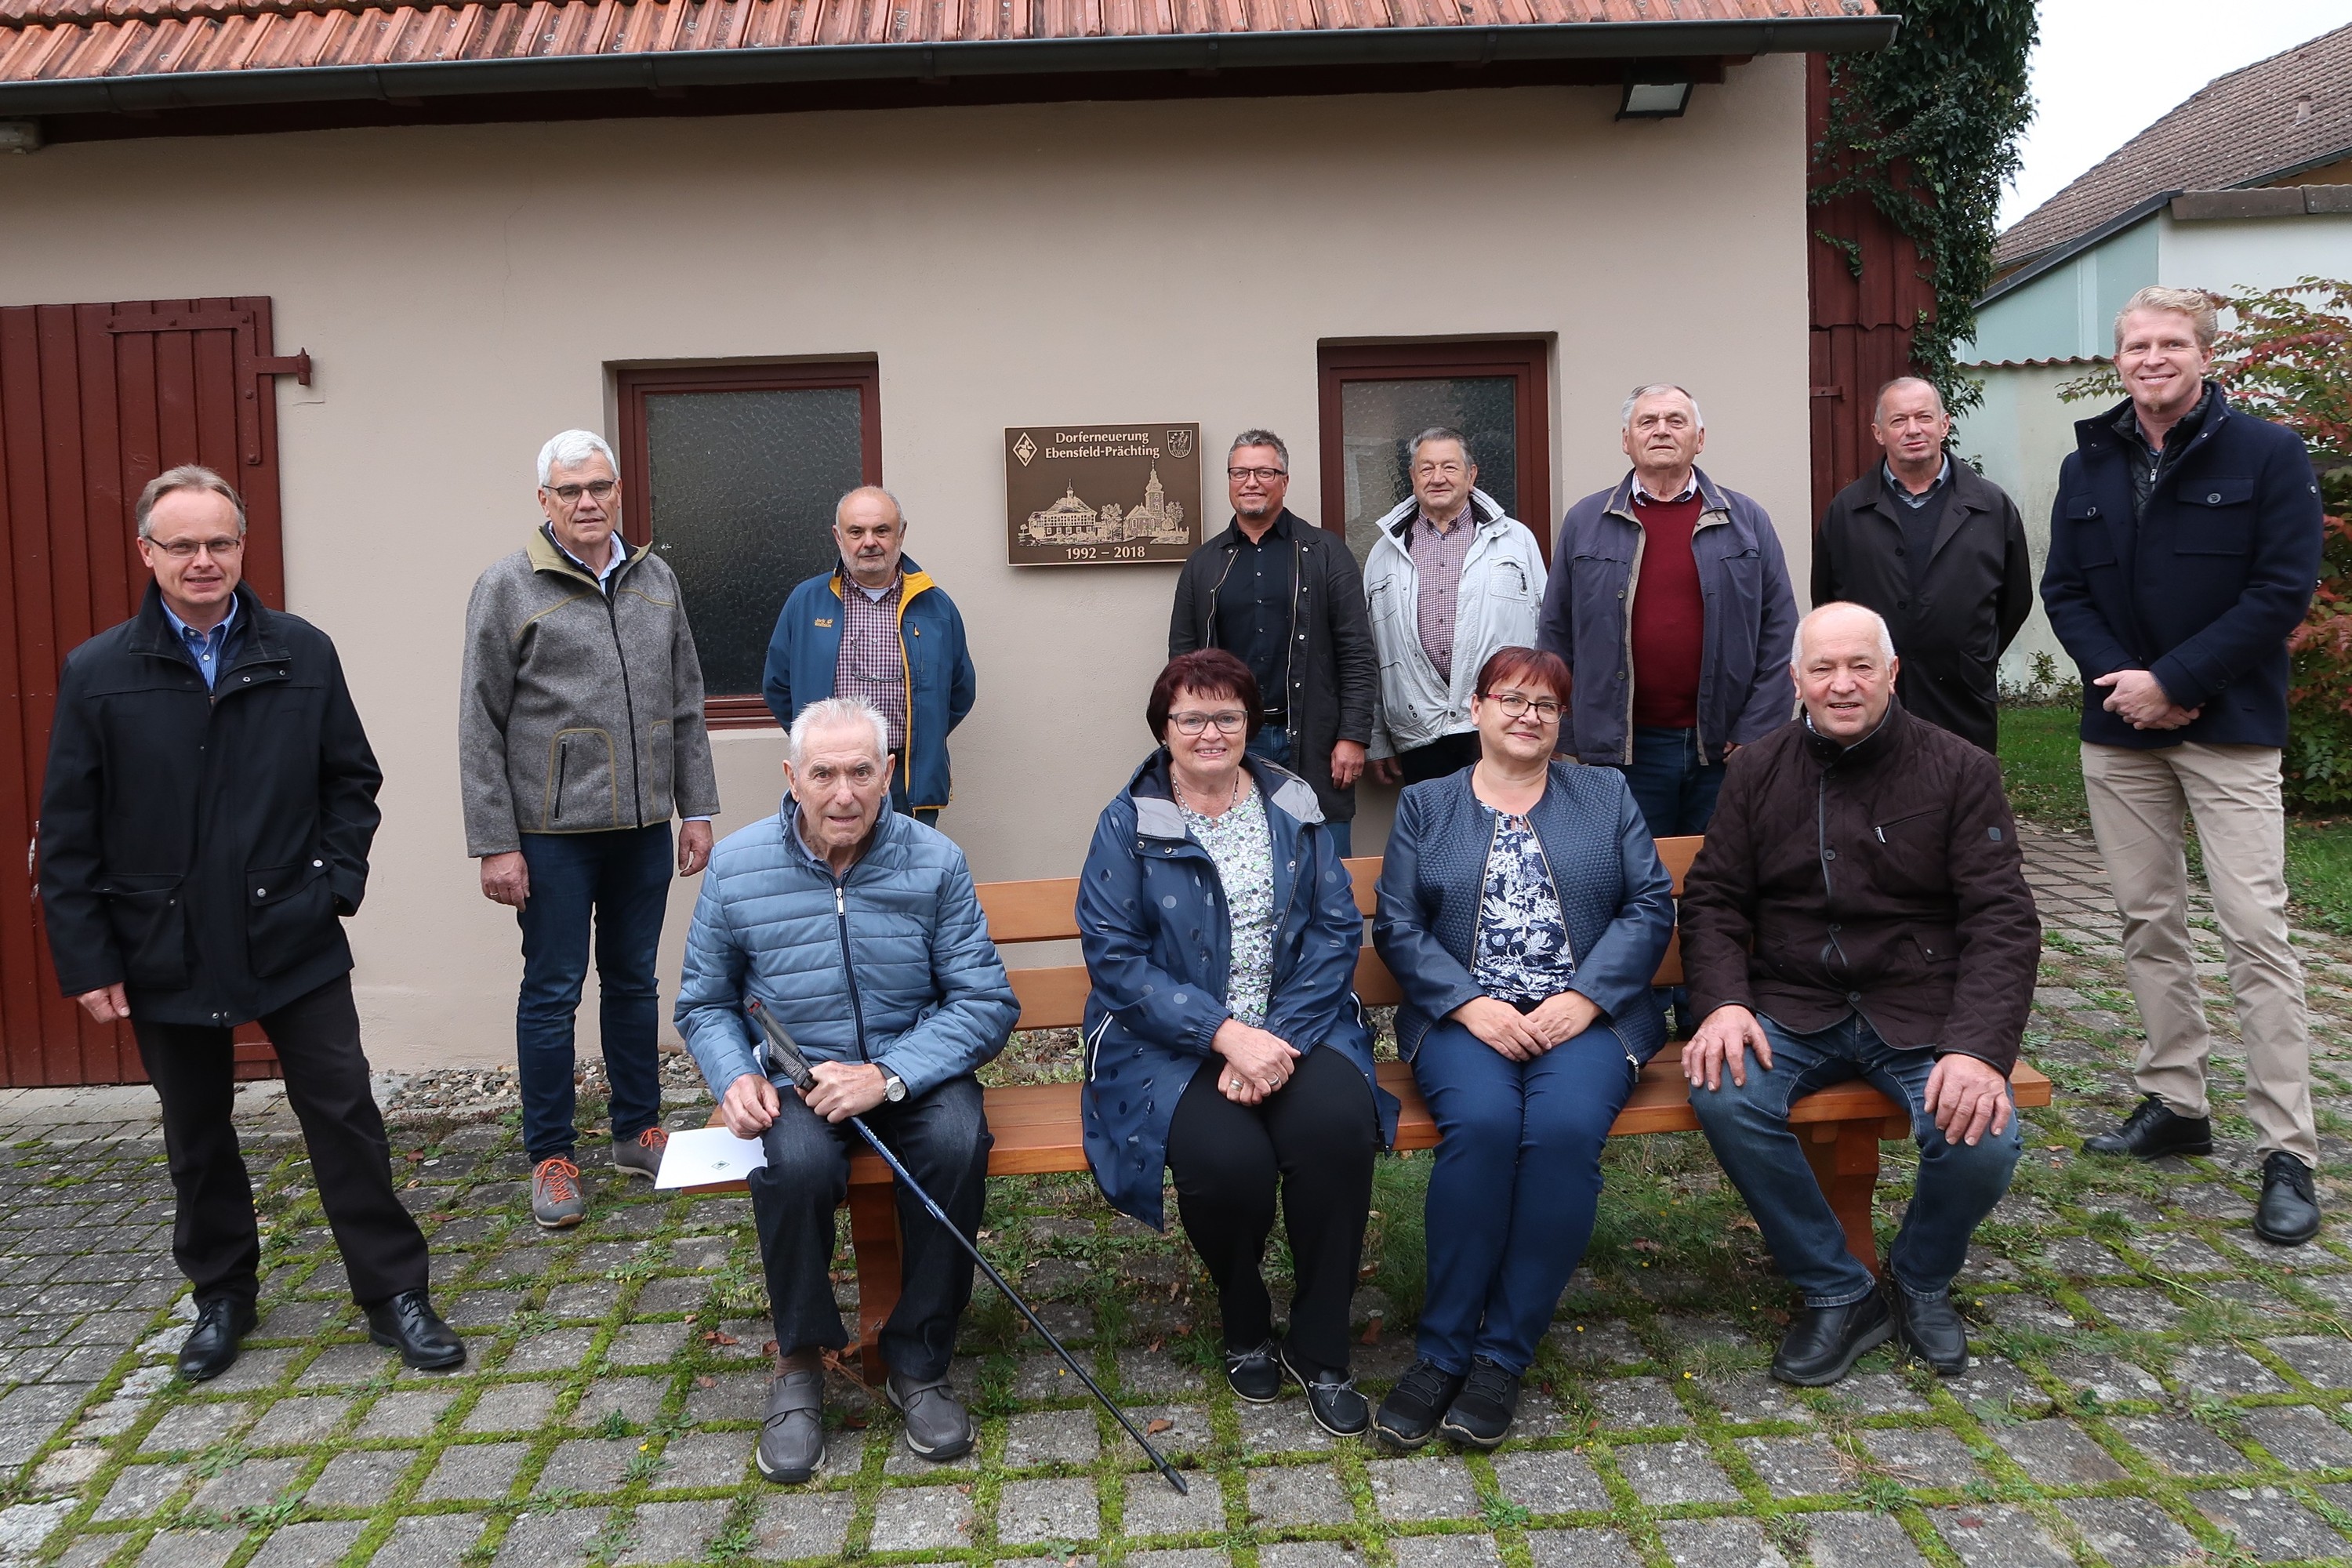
2154 1129
2288 1212
1408 1417
1254 1375
1331 1398
1481 1413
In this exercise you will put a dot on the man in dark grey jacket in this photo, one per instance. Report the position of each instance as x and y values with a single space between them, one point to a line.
580 734
1287 598
1938 550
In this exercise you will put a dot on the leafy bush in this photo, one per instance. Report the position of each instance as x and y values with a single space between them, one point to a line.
2286 355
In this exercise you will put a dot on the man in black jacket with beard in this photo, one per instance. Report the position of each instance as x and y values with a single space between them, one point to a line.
205 824
1939 550
1286 598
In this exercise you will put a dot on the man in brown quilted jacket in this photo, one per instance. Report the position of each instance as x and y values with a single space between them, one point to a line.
1860 910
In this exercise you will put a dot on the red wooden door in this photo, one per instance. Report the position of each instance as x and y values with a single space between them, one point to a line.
95 400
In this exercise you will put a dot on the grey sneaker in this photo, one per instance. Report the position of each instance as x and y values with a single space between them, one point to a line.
937 1429
642 1155
791 1439
556 1200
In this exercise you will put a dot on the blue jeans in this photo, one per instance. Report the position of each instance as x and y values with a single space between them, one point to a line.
1516 1183
1273 743
619 882
1674 790
1748 1127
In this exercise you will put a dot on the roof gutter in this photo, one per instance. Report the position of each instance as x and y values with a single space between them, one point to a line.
930 62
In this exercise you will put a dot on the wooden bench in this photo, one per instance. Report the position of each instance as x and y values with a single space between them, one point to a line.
1036 1126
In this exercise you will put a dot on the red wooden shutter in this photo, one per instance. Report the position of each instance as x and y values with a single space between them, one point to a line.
95 400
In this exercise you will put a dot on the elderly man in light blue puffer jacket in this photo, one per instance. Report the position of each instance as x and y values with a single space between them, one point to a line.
858 928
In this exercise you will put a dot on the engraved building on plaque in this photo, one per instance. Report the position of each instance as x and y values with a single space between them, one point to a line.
1114 507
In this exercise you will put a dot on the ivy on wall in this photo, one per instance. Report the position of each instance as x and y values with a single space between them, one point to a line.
1926 128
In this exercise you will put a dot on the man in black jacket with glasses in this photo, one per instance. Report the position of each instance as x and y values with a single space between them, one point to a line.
205 829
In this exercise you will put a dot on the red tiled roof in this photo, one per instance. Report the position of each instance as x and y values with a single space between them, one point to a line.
62 41
2270 118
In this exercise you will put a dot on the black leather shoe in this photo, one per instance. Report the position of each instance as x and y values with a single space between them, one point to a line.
1482 1413
1331 1398
1254 1375
2153 1130
1826 1341
409 1324
2288 1213
1933 1330
222 1324
1408 1417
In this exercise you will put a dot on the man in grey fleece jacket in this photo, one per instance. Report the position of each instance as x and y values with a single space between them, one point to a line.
580 734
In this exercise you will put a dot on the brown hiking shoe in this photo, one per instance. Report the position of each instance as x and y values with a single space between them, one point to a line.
556 1200
641 1155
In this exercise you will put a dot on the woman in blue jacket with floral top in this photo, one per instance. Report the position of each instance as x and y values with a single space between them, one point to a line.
1523 911
1224 1043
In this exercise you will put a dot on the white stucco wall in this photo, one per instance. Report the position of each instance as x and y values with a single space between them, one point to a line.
463 290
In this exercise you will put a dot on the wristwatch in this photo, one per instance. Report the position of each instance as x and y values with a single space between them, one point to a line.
894 1088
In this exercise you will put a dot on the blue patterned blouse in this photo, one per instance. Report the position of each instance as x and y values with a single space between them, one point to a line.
1521 953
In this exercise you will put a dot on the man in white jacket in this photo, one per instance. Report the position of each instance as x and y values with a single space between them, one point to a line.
1450 579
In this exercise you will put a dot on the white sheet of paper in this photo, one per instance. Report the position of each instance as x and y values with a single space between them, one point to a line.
708 1154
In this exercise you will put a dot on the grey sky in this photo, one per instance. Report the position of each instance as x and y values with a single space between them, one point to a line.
2105 70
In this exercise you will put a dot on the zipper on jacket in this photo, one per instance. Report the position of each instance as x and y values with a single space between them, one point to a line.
849 970
1093 1046
629 701
1478 922
562 766
907 675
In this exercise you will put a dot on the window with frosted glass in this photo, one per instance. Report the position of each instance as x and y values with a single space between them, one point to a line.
1377 397
736 484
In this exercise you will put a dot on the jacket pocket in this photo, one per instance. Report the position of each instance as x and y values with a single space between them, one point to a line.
150 926
580 792
1934 947
290 915
2087 532
2217 518
1908 852
659 753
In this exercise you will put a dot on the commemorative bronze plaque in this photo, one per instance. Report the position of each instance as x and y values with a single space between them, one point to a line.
1098 495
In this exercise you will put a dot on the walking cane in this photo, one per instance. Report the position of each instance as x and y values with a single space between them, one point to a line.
787 1058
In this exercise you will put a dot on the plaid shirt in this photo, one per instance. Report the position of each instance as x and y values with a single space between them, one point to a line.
1437 560
873 662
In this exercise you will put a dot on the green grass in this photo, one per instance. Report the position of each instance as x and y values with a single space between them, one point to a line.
2040 766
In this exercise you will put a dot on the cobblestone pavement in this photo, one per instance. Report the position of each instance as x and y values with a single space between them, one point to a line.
2152 1385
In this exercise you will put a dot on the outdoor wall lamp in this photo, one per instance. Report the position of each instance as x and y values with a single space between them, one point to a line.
1656 93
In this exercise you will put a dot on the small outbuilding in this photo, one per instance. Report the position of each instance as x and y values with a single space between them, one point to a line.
366 256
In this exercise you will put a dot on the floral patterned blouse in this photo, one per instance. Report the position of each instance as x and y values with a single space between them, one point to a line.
1522 952
1242 848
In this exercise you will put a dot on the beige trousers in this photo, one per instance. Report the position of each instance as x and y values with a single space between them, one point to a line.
2138 800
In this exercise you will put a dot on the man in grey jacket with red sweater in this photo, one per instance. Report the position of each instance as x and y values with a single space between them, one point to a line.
1860 910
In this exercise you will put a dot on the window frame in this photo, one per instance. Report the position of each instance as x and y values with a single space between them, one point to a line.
1527 361
633 385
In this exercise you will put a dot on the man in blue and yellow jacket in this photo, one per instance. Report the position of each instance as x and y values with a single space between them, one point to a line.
878 628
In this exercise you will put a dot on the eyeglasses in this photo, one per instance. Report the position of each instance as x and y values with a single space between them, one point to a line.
1515 704
1228 722
1263 475
597 491
185 548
